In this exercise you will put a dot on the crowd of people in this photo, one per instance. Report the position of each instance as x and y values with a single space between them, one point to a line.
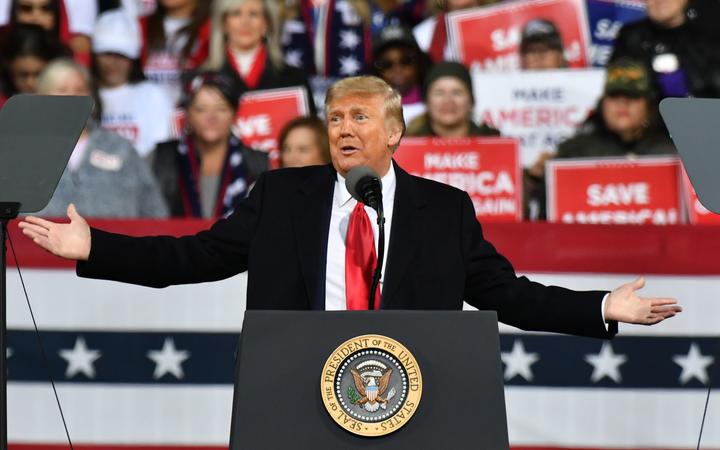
147 62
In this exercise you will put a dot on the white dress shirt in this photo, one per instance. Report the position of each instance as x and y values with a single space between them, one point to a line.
342 206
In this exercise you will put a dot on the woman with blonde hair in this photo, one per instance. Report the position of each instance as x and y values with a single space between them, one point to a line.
243 46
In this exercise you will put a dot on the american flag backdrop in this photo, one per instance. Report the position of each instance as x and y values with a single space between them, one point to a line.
141 367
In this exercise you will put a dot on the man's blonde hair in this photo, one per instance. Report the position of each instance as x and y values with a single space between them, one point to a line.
370 86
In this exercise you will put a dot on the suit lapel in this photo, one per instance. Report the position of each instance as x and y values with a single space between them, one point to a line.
404 236
311 214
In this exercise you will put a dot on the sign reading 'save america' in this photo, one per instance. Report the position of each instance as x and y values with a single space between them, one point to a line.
488 38
615 191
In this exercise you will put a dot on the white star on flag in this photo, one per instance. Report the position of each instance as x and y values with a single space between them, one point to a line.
349 39
606 364
694 365
294 58
349 65
80 359
518 361
168 360
8 352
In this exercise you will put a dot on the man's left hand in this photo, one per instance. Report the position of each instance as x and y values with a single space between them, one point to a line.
624 305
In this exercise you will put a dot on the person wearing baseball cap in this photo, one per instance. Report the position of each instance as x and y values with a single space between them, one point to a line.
132 107
626 121
541 46
397 59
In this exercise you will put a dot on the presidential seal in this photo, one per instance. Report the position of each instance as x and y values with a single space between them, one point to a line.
371 385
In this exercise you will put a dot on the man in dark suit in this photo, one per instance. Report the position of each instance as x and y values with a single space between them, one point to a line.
299 234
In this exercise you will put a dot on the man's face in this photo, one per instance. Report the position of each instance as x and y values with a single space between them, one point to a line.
360 134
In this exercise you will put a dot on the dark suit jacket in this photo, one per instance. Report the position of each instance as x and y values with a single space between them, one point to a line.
437 255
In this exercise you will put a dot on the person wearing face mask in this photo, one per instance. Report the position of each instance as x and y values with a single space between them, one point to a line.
131 106
449 100
208 170
105 176
681 59
243 46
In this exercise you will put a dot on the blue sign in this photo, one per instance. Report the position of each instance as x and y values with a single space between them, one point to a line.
606 17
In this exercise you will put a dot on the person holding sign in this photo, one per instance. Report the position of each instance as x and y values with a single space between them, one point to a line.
306 242
626 122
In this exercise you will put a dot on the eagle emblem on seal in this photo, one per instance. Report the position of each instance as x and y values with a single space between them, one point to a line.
372 379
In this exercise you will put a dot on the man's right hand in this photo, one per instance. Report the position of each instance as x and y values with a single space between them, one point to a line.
68 240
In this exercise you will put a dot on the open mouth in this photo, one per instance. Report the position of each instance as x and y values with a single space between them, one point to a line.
348 149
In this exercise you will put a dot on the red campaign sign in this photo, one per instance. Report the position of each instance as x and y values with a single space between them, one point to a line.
262 114
489 37
488 169
615 191
697 213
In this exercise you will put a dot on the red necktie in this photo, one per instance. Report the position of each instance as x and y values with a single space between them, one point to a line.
360 260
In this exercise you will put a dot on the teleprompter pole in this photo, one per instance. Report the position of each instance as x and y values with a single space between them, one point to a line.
8 211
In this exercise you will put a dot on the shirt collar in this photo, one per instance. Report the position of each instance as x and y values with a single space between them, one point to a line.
388 185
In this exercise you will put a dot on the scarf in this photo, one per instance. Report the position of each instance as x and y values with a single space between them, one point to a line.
234 182
252 79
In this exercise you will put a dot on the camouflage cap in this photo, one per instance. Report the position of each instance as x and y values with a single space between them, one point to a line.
627 77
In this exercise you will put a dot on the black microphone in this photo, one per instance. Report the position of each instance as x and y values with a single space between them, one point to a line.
365 186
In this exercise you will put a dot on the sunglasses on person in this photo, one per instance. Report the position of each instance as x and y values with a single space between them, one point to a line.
386 64
28 8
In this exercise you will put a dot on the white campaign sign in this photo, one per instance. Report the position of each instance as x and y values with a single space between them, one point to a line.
540 108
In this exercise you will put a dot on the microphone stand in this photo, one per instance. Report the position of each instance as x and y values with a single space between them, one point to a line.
8 211
381 253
